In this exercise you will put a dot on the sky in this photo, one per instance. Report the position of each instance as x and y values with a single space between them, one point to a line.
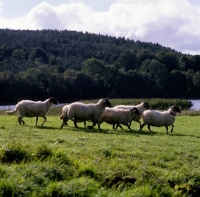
170 23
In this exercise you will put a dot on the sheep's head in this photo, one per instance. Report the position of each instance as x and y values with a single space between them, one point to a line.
146 105
135 110
53 100
107 103
176 109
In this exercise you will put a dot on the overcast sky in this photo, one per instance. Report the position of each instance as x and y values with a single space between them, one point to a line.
171 23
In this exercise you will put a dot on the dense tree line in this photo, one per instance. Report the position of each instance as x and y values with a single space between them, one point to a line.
74 65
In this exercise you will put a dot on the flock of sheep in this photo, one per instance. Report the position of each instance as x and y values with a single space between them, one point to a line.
99 112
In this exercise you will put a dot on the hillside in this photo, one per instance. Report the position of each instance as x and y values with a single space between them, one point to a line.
74 65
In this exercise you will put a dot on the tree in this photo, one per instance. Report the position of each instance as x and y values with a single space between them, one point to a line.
196 79
127 60
169 59
177 85
92 66
18 54
39 55
183 63
143 54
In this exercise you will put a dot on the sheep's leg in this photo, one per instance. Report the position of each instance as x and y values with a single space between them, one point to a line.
114 126
85 124
20 121
166 129
36 121
75 122
139 123
149 128
44 120
99 126
91 127
172 128
64 122
118 125
142 126
129 126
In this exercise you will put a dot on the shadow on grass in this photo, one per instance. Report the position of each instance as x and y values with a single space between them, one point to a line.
109 131
47 127
173 134
183 135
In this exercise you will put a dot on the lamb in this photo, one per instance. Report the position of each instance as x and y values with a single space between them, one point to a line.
159 119
141 107
118 116
28 108
64 110
81 111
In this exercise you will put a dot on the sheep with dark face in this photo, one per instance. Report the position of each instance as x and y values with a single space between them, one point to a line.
84 112
141 108
118 116
159 119
28 108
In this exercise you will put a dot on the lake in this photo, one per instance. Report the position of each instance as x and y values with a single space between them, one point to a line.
196 106
11 107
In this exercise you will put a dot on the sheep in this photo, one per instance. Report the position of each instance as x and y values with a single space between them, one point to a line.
64 110
159 119
118 116
81 111
29 108
141 107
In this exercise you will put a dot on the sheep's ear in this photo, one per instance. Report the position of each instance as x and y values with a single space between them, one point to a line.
108 104
147 105
134 109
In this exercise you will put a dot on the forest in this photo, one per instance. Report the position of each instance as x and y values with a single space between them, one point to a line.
71 65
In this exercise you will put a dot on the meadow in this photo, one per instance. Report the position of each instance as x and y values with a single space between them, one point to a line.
46 161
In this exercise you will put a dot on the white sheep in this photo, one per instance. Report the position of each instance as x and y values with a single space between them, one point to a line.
118 116
159 119
64 110
28 108
141 108
85 112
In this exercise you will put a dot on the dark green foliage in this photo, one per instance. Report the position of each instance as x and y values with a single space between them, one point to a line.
43 152
74 65
159 103
82 187
13 154
119 182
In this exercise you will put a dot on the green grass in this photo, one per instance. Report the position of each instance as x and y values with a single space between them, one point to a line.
47 161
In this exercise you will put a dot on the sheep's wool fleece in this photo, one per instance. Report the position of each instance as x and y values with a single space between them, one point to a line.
158 118
33 108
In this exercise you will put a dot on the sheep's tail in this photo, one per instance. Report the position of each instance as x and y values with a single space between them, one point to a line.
11 112
64 114
61 117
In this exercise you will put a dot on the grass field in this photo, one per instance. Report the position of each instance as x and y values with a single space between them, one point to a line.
47 161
